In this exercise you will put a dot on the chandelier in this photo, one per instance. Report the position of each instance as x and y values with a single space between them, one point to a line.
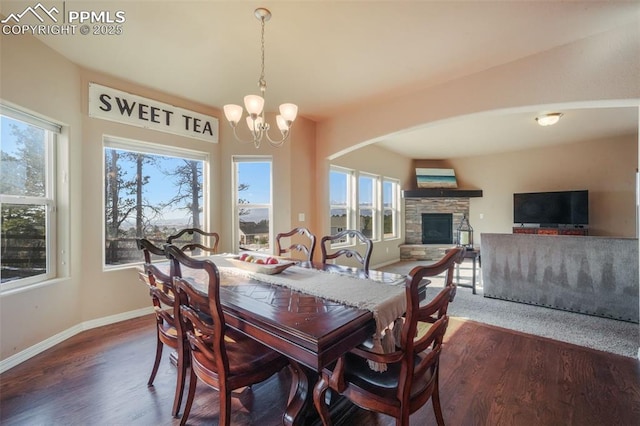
254 105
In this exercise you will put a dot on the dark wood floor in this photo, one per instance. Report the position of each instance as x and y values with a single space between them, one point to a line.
489 376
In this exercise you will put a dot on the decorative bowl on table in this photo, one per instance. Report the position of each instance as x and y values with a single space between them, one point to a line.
261 264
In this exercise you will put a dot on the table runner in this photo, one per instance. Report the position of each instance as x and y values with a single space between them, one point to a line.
387 302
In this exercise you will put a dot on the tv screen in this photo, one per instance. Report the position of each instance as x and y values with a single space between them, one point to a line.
552 208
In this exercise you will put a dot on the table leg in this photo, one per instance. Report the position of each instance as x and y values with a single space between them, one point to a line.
300 399
473 282
300 407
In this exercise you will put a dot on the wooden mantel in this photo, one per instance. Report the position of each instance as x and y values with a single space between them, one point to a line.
442 193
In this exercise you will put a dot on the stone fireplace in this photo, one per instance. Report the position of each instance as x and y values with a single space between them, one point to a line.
444 211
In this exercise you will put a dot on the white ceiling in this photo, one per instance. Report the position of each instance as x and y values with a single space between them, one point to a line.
329 56
484 134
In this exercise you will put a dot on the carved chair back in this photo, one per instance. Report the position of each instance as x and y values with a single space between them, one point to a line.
306 249
363 258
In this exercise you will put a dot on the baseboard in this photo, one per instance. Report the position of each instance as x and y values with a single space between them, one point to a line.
40 347
383 264
99 322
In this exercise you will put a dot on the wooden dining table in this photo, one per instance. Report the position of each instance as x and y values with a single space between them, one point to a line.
312 332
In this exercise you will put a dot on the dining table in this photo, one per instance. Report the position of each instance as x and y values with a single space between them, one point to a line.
310 329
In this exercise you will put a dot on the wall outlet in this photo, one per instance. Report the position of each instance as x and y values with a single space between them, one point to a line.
481 215
300 217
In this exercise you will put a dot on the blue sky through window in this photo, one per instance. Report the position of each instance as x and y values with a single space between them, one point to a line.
256 175
338 188
8 141
387 194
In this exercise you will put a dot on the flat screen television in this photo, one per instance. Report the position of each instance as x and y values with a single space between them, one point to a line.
552 208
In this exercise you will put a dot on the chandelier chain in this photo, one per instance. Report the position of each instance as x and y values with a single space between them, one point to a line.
262 83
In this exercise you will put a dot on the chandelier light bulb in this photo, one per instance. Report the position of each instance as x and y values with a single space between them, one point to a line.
289 111
254 104
233 113
282 124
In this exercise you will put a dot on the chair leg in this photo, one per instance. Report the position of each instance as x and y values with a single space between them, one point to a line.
435 399
183 361
225 407
319 394
156 364
193 379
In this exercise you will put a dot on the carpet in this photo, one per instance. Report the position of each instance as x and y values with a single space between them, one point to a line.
618 337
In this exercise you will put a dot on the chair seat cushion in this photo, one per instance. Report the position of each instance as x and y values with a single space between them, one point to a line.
384 384
245 356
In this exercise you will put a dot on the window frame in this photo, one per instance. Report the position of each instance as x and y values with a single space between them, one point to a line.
235 160
350 199
146 147
375 204
395 208
49 201
353 203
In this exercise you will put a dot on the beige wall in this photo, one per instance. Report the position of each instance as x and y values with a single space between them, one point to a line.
604 167
30 316
598 70
37 78
113 291
88 293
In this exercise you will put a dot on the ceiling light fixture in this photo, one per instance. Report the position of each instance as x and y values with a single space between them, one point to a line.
548 119
255 105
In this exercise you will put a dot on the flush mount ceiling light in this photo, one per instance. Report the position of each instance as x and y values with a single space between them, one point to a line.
548 119
254 105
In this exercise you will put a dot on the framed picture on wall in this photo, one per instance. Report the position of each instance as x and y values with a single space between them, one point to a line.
436 178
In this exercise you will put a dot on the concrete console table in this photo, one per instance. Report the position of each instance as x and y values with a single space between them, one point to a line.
590 275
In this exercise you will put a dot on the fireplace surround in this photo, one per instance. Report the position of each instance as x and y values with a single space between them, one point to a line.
414 248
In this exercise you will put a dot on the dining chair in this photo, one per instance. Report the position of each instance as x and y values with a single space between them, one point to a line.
363 259
412 372
195 242
307 250
221 357
163 299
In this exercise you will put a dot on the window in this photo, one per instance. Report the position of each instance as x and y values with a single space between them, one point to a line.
378 203
340 196
252 182
150 191
28 198
367 205
390 208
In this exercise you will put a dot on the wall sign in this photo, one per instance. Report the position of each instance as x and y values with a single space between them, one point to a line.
122 107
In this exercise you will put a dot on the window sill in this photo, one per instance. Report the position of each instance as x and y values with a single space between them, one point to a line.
12 288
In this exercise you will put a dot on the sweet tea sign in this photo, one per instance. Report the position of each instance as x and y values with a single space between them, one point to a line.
126 108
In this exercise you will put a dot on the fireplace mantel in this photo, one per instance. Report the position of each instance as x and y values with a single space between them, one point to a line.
441 193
